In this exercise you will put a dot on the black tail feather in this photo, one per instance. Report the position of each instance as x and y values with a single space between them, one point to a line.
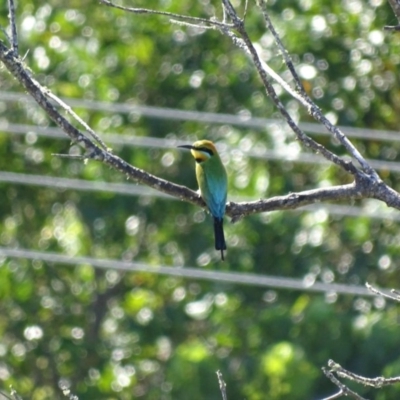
219 236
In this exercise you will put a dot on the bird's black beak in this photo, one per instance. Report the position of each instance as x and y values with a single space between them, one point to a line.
187 146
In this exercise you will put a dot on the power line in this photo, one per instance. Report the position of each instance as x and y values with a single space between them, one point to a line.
191 273
56 133
352 211
151 142
59 183
168 113
208 117
80 184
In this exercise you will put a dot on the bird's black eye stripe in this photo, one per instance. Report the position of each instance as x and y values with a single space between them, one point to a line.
206 150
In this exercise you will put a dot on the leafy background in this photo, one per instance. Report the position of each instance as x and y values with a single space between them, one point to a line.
108 334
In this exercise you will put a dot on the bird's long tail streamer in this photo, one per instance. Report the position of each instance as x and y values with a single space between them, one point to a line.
219 236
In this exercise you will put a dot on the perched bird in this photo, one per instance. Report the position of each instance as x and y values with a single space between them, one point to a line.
213 184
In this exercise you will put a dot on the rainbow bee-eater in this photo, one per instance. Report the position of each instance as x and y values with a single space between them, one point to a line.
213 184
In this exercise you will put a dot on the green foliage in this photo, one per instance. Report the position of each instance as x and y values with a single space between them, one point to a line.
109 334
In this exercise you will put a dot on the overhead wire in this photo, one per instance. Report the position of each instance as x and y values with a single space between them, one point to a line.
203 117
168 143
237 278
209 117
59 183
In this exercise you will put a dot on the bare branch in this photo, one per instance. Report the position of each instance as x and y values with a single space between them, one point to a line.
71 156
295 200
376 383
14 44
340 393
222 385
339 371
15 66
246 6
187 18
282 49
251 50
13 26
395 4
188 24
393 295
364 186
70 111
245 43
312 108
6 34
343 389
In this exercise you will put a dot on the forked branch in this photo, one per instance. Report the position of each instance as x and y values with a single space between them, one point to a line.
336 371
366 182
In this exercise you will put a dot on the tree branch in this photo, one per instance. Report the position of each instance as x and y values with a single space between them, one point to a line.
295 200
16 68
13 26
305 99
395 4
222 385
364 186
393 295
343 389
193 20
70 111
245 43
376 383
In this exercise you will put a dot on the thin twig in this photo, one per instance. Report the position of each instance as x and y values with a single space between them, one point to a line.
340 393
304 98
246 5
71 156
188 24
395 4
196 20
376 383
282 49
222 385
343 389
70 111
6 34
250 49
393 296
13 26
